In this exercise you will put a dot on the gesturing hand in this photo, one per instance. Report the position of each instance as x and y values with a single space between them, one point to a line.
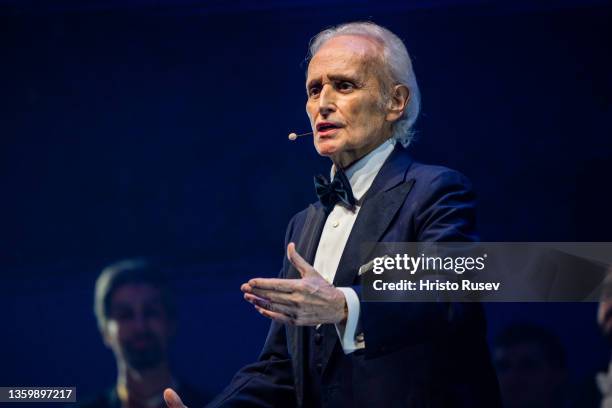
308 301
172 399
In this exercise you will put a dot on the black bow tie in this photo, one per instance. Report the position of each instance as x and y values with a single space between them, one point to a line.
339 190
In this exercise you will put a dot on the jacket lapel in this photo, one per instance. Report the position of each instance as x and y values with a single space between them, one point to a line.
380 205
308 241
372 221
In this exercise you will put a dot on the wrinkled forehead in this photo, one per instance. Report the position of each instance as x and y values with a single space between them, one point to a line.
356 53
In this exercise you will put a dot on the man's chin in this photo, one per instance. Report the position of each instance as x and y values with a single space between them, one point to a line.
144 359
327 149
147 363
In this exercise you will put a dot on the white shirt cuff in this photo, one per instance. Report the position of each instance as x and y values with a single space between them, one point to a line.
346 332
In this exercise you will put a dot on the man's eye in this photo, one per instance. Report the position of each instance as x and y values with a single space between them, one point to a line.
122 315
153 312
314 91
345 86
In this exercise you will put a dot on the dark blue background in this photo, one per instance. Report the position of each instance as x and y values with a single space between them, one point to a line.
159 129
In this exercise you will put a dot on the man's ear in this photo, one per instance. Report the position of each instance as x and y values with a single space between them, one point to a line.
104 332
105 338
400 96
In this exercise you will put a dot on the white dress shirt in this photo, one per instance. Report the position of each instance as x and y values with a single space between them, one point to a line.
336 232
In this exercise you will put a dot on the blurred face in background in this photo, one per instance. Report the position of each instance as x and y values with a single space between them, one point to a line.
604 311
138 328
527 379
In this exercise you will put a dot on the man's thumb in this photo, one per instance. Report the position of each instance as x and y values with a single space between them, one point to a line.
172 399
296 260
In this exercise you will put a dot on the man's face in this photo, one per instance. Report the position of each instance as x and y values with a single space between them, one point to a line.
138 328
604 317
604 311
345 103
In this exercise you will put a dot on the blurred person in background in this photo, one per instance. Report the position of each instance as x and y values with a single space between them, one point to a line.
136 313
603 380
531 367
595 391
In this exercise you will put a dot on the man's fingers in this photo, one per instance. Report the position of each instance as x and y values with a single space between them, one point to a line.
279 317
274 296
249 297
172 399
303 267
280 285
271 306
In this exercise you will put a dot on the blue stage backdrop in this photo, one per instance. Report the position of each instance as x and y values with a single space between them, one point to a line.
160 129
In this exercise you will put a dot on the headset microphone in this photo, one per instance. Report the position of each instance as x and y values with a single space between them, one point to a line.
293 135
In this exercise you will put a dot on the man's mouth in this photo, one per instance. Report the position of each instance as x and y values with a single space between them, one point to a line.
143 342
327 128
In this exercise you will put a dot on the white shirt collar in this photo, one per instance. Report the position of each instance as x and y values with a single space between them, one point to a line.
361 174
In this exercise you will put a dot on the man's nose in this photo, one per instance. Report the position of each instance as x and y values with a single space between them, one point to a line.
327 100
141 321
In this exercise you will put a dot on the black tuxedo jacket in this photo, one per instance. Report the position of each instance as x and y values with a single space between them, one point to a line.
417 354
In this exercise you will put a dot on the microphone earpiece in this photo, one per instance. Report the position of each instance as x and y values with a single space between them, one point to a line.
293 135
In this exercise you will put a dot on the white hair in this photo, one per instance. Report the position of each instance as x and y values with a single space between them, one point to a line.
398 67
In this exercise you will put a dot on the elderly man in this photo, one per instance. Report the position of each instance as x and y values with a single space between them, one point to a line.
325 347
